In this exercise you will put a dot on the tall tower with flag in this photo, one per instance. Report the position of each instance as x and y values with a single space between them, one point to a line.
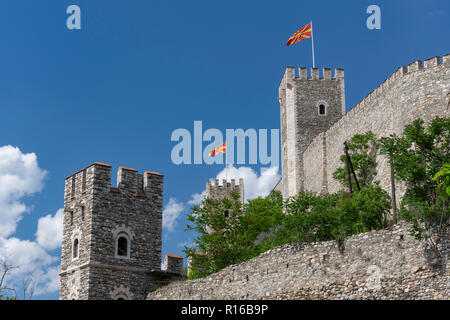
309 105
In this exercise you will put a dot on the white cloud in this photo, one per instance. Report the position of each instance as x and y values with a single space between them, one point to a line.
20 176
49 230
25 254
47 282
197 199
30 260
254 185
171 212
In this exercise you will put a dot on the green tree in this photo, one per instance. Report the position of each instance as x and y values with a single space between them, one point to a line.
230 238
417 157
362 149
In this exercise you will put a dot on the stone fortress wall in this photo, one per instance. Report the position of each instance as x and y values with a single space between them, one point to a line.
384 264
419 90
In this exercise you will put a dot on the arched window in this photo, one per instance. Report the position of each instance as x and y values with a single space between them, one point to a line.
322 110
123 239
75 249
122 246
322 107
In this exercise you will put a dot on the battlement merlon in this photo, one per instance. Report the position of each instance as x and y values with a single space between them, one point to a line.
97 176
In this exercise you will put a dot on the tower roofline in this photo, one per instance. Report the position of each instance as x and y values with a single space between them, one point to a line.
95 163
109 166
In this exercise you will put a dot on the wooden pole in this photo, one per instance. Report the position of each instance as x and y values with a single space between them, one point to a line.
348 169
351 165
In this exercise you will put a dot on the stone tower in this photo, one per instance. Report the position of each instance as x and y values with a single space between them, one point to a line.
111 245
308 106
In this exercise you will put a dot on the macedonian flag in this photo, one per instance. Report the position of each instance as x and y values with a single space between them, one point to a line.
218 150
303 33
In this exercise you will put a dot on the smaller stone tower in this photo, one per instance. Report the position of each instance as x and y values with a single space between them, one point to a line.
218 192
111 245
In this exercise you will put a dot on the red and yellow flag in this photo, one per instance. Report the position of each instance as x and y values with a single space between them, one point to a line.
303 33
218 150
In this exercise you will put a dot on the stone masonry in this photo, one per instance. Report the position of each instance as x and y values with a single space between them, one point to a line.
384 264
96 218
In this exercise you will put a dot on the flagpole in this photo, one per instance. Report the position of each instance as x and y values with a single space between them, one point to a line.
312 38
226 172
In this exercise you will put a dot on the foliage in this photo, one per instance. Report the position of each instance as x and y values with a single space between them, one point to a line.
443 180
362 150
230 239
312 218
419 158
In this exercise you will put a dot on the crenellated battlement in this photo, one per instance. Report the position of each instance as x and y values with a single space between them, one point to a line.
313 74
97 176
219 191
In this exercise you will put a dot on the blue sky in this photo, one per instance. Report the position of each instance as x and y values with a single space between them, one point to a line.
115 90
